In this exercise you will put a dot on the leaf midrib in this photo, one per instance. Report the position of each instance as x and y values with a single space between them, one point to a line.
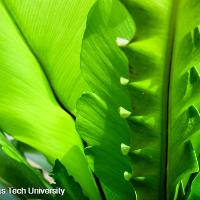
166 91
38 60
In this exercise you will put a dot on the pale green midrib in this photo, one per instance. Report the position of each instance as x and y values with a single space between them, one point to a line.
38 60
166 93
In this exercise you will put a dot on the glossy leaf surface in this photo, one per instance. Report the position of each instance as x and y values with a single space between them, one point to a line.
39 55
147 102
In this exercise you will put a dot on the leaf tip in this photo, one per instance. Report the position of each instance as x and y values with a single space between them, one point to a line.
127 176
124 113
122 42
125 149
124 81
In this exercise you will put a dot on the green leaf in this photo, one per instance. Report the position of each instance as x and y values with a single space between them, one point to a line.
20 175
110 194
53 32
109 163
194 193
9 149
16 172
78 163
64 180
39 68
192 186
149 102
105 25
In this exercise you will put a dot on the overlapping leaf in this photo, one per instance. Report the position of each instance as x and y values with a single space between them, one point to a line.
16 172
53 32
64 180
98 120
39 51
161 130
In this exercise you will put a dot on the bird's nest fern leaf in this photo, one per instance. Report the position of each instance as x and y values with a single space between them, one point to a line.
150 109
38 53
